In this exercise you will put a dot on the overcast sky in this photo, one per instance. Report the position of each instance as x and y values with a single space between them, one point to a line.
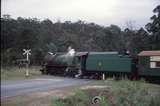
102 12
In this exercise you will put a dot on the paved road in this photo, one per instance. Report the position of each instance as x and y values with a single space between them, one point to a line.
13 88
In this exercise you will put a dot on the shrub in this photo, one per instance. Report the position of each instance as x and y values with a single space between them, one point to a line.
120 93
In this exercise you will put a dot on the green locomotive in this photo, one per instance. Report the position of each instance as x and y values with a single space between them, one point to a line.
104 63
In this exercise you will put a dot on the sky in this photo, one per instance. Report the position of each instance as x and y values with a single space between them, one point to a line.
101 12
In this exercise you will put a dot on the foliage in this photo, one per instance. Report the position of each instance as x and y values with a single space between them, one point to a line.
79 99
117 93
127 93
14 73
44 36
154 28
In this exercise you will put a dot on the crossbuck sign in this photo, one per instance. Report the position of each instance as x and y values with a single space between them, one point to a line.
27 53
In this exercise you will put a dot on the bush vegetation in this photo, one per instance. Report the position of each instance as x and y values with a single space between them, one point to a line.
11 73
118 93
44 36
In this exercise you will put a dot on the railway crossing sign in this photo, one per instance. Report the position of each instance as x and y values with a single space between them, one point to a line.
27 53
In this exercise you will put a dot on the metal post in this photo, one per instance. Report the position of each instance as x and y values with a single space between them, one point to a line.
27 53
103 76
27 57
27 66
27 70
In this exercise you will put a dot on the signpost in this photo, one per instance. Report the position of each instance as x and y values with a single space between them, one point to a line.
27 53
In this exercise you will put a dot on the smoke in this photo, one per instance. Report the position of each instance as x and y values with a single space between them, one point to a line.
68 57
71 52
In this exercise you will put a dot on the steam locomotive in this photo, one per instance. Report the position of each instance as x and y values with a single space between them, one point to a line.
95 64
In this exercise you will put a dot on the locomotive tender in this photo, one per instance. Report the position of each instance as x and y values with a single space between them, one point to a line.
95 64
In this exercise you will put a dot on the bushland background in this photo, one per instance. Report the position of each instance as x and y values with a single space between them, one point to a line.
43 36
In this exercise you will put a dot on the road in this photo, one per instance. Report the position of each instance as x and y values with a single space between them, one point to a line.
14 88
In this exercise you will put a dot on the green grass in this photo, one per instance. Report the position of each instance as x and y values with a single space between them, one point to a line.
79 99
118 93
133 93
13 73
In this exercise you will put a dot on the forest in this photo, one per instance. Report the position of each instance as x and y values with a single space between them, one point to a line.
45 36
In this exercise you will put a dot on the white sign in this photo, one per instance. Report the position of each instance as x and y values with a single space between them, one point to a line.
152 64
27 53
155 58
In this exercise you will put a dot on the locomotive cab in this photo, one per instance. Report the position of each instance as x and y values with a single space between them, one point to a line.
80 62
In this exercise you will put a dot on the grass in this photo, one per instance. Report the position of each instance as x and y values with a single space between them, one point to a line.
80 99
13 73
118 93
133 93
